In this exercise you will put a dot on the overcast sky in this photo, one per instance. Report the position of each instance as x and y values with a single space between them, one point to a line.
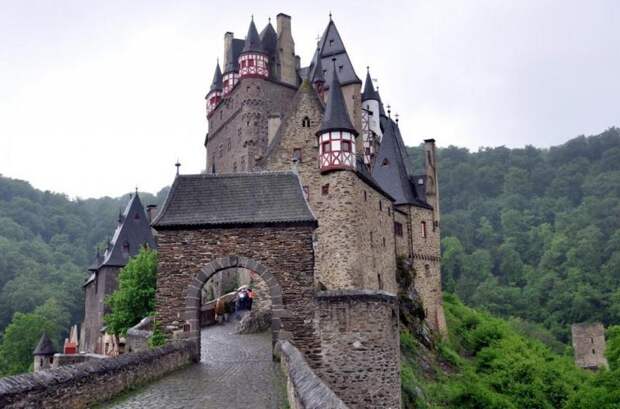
97 97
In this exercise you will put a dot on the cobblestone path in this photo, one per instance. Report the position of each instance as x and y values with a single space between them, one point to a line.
236 371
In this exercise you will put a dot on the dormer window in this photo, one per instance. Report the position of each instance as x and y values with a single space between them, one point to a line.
385 162
126 248
136 216
331 42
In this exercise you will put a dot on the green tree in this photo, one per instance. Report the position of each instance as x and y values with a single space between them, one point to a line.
135 297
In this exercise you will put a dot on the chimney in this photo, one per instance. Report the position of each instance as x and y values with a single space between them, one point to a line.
286 50
151 212
228 40
432 185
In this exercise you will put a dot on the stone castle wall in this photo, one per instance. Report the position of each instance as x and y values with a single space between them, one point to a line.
427 266
238 128
285 251
589 345
106 282
355 234
360 349
402 240
86 384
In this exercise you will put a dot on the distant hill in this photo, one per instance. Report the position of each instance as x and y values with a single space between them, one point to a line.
534 233
46 243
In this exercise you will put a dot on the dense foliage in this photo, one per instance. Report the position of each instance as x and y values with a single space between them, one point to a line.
46 243
534 233
135 297
491 365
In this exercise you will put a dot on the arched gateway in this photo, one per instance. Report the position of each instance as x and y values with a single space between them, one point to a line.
260 222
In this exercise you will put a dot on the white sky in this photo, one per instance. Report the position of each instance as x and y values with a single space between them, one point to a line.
97 97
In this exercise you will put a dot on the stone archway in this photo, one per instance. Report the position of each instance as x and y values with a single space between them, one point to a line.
193 293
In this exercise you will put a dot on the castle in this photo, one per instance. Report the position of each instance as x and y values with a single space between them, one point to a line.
267 113
307 185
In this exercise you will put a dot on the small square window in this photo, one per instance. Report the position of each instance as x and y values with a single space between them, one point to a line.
346 146
325 189
327 147
297 155
398 229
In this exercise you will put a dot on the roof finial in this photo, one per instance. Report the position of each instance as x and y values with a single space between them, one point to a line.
136 190
396 115
269 20
389 110
252 17
368 69
330 15
178 165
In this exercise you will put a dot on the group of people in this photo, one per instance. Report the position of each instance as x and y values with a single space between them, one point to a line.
243 301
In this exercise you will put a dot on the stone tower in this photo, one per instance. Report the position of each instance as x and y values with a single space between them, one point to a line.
589 345
43 353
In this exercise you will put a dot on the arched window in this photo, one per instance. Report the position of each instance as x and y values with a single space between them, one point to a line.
305 123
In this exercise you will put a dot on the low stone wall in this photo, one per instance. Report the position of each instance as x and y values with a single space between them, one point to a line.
83 385
304 388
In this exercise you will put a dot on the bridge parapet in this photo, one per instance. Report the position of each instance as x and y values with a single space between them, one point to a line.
305 390
83 385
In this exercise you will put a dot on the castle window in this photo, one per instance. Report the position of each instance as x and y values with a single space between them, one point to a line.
306 192
346 146
136 216
331 42
220 151
371 241
297 155
229 145
250 63
424 229
380 206
340 67
235 167
385 162
379 282
384 242
593 352
305 123
325 189
243 164
398 229
365 196
427 270
327 147
389 211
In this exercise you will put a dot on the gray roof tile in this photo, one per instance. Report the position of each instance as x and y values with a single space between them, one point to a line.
392 169
132 233
240 198
252 40
45 346
369 89
336 116
216 84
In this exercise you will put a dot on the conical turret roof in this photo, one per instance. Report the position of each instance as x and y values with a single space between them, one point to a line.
269 39
336 117
45 346
252 40
319 75
369 89
216 84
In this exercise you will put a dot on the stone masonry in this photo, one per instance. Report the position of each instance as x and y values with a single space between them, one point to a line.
282 255
589 345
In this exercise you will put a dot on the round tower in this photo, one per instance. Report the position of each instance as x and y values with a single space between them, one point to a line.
231 68
336 134
253 60
43 353
215 92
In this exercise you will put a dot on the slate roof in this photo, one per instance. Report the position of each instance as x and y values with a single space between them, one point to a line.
319 75
216 84
45 346
252 40
269 40
132 232
336 116
229 199
232 57
369 89
392 169
332 46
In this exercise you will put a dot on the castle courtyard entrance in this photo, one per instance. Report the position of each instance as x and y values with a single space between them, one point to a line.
236 370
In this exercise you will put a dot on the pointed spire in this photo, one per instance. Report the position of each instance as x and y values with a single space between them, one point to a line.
216 84
178 166
319 76
336 117
45 346
369 89
269 39
252 40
